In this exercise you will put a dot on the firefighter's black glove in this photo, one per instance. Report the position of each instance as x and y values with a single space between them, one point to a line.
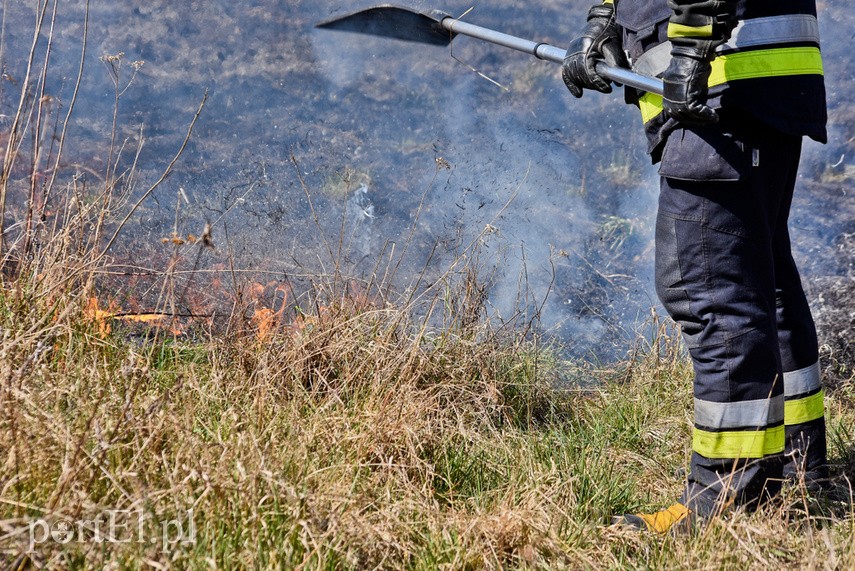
696 28
600 41
685 88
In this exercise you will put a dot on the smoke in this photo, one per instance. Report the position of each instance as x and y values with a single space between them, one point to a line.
517 184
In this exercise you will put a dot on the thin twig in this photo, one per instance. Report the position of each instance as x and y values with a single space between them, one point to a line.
160 180
14 131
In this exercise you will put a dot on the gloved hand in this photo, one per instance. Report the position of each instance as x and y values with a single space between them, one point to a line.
685 87
696 28
600 40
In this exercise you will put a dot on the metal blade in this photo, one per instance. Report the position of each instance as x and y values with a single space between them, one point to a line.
392 21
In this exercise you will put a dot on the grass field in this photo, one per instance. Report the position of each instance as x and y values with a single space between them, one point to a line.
358 439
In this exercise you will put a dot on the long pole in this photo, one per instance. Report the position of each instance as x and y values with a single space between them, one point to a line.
549 53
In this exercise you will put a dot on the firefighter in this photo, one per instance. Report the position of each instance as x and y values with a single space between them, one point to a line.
743 83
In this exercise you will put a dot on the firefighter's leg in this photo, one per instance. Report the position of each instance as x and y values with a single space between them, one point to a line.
738 437
721 194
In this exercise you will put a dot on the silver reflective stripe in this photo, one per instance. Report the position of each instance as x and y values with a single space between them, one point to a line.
791 28
654 61
802 381
724 415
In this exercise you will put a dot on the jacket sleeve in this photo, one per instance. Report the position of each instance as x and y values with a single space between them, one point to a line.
701 23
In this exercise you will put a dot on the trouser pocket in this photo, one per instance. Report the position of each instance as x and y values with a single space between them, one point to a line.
705 154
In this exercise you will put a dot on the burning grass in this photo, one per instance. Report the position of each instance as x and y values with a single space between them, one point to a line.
349 433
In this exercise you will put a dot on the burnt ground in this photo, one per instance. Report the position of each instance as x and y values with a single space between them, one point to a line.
831 290
549 198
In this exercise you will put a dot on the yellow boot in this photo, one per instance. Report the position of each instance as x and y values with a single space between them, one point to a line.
663 521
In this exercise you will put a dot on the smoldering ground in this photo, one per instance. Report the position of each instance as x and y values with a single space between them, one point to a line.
320 150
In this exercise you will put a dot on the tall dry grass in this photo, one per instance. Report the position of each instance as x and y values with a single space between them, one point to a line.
359 439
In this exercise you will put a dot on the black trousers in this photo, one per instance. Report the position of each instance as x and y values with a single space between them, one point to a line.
725 273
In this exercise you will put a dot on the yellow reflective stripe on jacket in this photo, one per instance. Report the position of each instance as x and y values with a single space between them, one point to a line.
738 443
768 32
683 31
650 105
776 62
799 411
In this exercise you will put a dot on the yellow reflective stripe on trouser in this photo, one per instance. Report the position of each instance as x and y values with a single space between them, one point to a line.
799 411
755 64
738 443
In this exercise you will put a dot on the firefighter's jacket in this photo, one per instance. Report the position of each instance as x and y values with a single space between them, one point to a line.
771 66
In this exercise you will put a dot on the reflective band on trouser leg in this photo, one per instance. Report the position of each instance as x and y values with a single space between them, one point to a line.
804 423
802 410
803 396
756 64
802 381
719 416
730 429
739 444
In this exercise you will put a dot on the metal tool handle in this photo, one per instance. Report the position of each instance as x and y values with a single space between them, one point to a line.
550 53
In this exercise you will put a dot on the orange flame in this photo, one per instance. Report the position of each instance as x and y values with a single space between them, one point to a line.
103 318
265 320
98 316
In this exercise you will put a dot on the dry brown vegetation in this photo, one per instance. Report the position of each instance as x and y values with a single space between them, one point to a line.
360 439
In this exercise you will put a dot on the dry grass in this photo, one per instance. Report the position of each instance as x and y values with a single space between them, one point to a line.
363 441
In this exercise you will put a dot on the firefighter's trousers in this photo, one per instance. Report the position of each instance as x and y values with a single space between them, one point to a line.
725 273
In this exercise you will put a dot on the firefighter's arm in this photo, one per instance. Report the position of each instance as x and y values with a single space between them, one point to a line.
696 28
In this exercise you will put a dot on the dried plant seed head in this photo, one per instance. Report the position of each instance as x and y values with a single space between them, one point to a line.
110 58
